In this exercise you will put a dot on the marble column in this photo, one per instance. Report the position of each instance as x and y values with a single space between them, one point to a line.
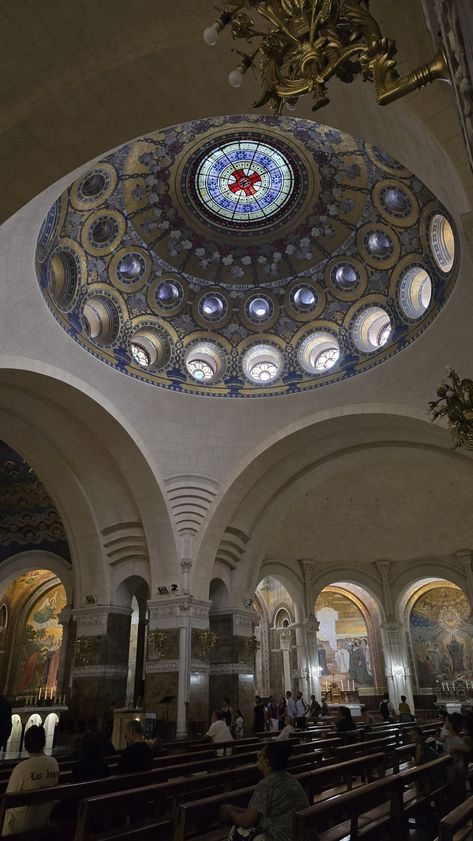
100 670
396 658
285 643
310 629
232 661
175 622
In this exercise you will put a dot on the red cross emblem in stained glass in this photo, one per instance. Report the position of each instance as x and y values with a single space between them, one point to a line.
248 182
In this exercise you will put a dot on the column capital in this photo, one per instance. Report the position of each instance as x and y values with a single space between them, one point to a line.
384 568
92 621
175 610
312 624
244 620
464 555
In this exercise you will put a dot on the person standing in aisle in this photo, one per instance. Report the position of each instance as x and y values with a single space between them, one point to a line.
301 710
290 705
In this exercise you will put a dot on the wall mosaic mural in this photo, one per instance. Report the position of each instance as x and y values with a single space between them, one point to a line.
246 256
28 517
41 645
345 651
441 631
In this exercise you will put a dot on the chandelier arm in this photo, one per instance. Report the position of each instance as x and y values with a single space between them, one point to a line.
389 86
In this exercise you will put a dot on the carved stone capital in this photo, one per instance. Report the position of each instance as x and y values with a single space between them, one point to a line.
65 615
312 625
92 621
464 556
244 621
175 611
384 569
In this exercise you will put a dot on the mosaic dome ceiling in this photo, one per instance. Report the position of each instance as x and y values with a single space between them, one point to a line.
246 257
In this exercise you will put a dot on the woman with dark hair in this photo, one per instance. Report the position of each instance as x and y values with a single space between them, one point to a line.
345 725
270 812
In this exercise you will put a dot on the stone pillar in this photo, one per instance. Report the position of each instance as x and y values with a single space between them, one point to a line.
312 671
232 661
285 642
464 556
396 657
64 672
174 621
100 669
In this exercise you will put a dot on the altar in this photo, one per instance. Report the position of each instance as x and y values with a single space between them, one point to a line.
355 709
342 694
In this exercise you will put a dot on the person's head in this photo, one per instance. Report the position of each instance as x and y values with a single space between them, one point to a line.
312 698
288 694
455 722
134 732
403 699
35 739
226 702
216 716
299 696
274 757
257 699
239 715
344 712
385 697
289 721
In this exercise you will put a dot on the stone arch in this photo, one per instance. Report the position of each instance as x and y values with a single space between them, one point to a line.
23 562
105 489
219 594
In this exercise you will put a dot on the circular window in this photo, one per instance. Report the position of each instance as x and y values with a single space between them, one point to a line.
345 277
304 298
442 242
101 320
204 362
130 267
395 201
378 244
262 364
243 182
169 293
259 309
415 292
148 349
103 231
93 185
319 352
371 329
212 307
63 279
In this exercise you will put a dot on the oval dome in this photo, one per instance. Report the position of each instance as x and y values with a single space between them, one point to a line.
241 232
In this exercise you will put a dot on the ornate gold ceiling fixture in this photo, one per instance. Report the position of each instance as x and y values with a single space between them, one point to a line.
456 404
301 44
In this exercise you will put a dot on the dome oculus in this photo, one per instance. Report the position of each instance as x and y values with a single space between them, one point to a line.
244 182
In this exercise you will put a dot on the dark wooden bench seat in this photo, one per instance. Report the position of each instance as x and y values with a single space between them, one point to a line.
381 807
457 825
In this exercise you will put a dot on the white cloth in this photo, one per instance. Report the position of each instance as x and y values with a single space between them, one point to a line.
35 772
327 618
300 708
239 727
219 732
285 733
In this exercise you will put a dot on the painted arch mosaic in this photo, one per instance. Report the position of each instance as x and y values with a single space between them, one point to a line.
246 257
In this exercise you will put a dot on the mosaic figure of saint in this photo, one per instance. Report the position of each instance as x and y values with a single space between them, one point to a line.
455 649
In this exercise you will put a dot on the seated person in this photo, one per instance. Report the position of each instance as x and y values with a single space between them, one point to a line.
287 731
218 730
38 771
367 718
273 803
314 708
91 764
345 725
137 755
425 752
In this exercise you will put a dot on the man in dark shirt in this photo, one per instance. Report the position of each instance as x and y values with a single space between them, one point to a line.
137 756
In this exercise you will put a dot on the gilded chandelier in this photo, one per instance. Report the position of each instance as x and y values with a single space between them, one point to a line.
456 404
301 44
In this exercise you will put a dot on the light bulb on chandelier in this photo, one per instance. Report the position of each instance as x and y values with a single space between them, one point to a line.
212 32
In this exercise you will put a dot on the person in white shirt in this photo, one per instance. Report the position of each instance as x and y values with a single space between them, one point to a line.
290 705
287 731
218 731
39 771
300 711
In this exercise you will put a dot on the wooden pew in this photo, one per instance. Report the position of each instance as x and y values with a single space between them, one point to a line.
458 824
384 805
388 743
